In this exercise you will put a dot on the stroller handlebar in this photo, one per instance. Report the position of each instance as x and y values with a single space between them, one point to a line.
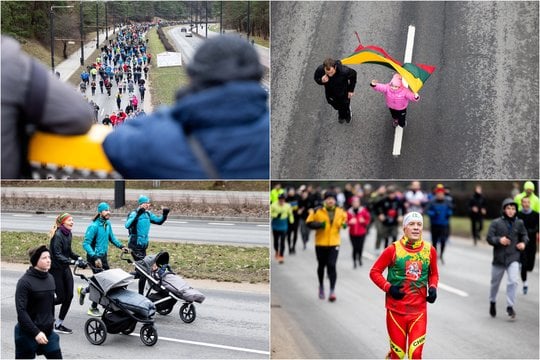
128 260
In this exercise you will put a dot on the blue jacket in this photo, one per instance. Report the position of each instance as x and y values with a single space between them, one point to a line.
439 212
139 236
100 230
230 121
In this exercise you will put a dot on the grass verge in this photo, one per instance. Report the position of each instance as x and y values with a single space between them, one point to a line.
258 40
145 185
213 262
164 81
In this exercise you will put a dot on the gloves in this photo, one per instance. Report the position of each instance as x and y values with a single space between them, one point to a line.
81 263
166 212
140 211
316 225
395 292
98 263
125 250
432 295
344 226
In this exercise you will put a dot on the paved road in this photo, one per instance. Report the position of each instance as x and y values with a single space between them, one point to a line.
229 325
354 326
177 230
478 113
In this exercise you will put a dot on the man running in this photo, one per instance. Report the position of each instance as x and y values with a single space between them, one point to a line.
339 82
412 280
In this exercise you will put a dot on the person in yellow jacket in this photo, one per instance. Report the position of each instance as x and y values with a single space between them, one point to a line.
327 223
528 192
282 215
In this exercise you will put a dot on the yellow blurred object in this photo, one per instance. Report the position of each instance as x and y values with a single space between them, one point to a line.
76 151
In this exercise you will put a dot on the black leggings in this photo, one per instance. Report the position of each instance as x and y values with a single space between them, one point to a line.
439 235
138 254
279 241
327 257
63 280
399 115
342 106
358 247
292 235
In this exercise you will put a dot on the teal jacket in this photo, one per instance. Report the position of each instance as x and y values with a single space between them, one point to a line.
97 237
138 232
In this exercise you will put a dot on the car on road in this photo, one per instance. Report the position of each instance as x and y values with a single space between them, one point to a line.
183 29
189 34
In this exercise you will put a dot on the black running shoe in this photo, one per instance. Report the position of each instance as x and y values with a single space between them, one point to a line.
492 310
62 329
511 312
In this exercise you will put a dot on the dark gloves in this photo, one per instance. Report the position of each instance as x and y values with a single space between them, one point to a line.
140 211
395 292
81 263
166 212
315 225
432 295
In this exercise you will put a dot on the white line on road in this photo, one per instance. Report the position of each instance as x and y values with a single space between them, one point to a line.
22 215
398 133
453 290
264 225
177 222
211 345
221 224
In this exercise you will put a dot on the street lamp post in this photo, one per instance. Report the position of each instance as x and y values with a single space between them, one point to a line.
51 14
206 16
221 17
106 29
81 31
97 26
248 21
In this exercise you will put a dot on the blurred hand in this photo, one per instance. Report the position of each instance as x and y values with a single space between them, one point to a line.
505 241
520 246
324 79
41 338
98 263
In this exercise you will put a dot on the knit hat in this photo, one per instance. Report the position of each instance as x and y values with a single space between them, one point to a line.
529 185
61 218
396 80
329 194
35 254
143 199
224 58
412 216
102 207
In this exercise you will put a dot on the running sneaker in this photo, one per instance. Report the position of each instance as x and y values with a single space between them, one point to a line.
94 312
525 289
62 329
321 293
281 260
492 310
332 297
341 121
81 293
511 312
350 115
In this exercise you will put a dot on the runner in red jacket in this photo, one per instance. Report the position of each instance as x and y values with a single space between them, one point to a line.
412 280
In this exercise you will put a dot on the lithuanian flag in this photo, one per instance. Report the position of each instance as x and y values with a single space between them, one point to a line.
415 74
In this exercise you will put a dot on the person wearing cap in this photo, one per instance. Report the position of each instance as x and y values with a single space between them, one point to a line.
390 210
528 192
528 256
327 221
218 127
439 211
397 98
508 236
33 97
282 216
62 256
411 282
138 224
339 82
97 237
34 302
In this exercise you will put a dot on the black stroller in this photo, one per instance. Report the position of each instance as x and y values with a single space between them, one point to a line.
123 308
166 288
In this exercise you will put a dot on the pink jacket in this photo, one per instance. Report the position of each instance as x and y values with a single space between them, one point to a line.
396 99
358 222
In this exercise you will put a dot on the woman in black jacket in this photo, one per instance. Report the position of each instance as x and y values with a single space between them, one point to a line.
62 256
34 301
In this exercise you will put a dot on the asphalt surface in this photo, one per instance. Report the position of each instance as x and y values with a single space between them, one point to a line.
459 325
478 113
230 324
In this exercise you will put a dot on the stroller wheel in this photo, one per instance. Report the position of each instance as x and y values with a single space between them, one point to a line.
149 335
95 331
187 313
130 329
165 311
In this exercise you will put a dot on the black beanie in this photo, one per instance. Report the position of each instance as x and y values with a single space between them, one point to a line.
35 254
224 58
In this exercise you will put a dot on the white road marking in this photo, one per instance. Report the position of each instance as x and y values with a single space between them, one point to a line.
453 290
211 345
22 215
177 222
221 224
265 225
398 133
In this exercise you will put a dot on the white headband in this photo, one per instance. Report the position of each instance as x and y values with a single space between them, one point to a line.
412 216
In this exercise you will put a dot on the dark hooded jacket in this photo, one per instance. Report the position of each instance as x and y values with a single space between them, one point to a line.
514 229
337 87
